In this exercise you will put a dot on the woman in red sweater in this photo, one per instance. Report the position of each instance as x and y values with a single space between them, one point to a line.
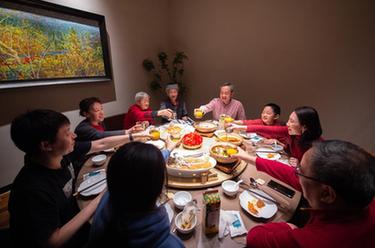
301 130
269 117
337 179
141 111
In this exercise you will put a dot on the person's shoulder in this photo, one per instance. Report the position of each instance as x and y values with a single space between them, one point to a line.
83 124
30 178
133 107
238 102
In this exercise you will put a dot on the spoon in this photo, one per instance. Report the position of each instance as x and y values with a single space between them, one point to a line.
253 183
237 183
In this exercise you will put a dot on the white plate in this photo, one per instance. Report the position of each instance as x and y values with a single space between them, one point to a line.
96 189
158 143
265 212
248 135
264 154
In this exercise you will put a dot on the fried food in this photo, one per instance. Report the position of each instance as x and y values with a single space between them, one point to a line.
270 155
260 203
252 208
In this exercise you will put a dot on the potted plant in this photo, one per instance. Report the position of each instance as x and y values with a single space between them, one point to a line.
163 75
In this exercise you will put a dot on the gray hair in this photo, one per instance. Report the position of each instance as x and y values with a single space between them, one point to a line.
140 95
347 168
230 85
170 87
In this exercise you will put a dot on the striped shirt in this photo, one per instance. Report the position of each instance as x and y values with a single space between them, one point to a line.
234 109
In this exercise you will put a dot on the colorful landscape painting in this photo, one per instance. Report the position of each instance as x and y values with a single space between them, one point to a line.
39 47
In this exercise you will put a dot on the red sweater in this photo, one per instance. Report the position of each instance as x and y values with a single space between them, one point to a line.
260 122
135 113
280 133
323 229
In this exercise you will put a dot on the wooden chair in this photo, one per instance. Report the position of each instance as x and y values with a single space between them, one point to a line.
4 220
4 214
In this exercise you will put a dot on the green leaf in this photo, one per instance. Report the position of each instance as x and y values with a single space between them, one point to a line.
155 85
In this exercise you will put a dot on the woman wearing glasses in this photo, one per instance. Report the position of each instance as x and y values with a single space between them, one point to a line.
337 178
301 130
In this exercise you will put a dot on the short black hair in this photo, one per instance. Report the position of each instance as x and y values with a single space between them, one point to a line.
28 130
308 117
349 169
135 177
275 108
85 104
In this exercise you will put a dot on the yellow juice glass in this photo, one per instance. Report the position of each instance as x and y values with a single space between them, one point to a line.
228 119
198 113
155 134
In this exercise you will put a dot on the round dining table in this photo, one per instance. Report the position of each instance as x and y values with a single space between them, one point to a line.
197 238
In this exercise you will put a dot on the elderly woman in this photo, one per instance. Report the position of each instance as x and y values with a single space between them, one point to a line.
337 179
174 102
141 111
92 127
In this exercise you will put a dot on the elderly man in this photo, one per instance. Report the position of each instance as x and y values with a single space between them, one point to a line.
141 111
337 178
174 102
225 104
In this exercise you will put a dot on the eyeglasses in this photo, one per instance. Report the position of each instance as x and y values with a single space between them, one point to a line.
297 171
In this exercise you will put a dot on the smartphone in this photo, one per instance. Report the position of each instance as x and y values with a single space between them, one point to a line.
281 189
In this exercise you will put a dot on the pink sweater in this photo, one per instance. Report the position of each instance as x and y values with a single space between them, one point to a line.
324 229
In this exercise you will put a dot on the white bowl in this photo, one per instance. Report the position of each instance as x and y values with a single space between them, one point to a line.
230 188
181 198
99 159
177 222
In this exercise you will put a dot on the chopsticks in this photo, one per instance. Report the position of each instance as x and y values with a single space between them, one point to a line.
262 196
266 151
90 186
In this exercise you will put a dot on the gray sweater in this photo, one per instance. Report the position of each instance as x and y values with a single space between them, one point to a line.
86 132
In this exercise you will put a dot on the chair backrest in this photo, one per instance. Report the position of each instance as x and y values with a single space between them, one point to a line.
4 214
115 122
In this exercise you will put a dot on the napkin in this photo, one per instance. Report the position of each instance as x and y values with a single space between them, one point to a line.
231 222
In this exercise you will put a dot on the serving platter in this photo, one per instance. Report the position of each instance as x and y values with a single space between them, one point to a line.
215 177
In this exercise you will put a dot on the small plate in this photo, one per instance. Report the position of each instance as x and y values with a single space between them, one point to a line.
96 189
265 212
158 143
263 153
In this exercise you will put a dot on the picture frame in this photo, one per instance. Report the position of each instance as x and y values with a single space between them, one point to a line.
42 43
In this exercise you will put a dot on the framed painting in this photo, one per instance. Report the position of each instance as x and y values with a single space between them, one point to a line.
43 43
